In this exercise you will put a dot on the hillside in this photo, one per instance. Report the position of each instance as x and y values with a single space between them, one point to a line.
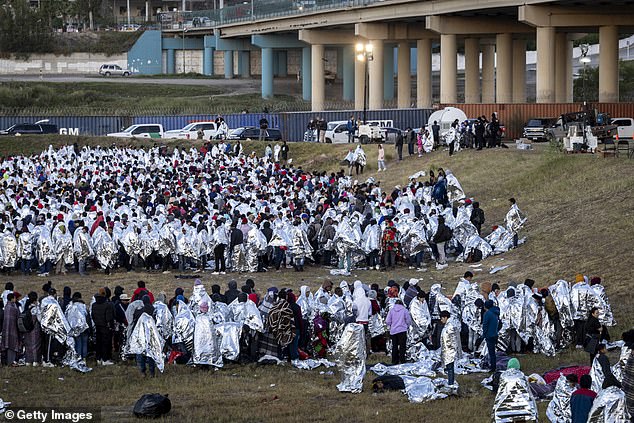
581 220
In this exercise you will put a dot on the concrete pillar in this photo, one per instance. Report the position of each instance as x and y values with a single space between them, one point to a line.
488 73
359 83
472 70
448 69
519 71
569 80
388 72
228 64
423 73
208 61
504 69
317 76
171 60
545 64
244 64
305 73
267 72
376 71
404 77
608 64
339 63
348 59
282 63
561 49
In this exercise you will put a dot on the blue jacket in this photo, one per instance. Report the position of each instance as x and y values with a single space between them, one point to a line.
581 404
490 322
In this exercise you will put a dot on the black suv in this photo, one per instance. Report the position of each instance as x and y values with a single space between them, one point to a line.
30 129
253 133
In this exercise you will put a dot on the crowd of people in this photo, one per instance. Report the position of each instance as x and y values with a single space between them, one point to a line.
220 209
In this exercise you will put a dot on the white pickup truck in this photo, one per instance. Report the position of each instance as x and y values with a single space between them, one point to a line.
190 132
624 127
143 130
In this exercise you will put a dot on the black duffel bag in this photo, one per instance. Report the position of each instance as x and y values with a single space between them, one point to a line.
152 405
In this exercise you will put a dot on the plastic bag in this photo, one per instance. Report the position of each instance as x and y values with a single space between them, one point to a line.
152 405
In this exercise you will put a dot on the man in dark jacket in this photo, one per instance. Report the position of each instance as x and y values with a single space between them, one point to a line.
435 130
443 234
490 325
477 217
399 146
103 316
411 141
232 293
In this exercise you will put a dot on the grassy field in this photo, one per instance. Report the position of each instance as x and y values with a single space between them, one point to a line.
111 98
580 210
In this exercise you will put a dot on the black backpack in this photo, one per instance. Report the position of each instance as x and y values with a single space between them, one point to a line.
152 405
25 321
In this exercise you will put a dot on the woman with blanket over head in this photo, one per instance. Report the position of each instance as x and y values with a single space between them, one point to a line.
281 321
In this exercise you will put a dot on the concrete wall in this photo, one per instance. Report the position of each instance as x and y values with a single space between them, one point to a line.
49 63
145 55
193 61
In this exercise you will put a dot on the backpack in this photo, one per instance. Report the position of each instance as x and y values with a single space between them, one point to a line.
25 321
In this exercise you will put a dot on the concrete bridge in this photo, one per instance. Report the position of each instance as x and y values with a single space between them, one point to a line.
491 37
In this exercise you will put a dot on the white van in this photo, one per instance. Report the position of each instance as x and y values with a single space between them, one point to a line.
190 131
337 131
143 130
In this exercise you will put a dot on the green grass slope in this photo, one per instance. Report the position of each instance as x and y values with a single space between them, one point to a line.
580 211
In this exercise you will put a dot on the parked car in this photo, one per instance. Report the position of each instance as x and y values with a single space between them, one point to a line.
190 131
536 129
144 130
391 134
253 133
624 127
37 128
114 70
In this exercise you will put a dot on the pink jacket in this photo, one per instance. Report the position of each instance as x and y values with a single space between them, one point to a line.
381 154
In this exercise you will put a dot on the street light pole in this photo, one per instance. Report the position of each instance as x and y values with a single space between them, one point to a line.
364 54
184 31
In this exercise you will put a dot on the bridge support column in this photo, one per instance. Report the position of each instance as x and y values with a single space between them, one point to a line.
388 72
376 71
561 66
488 73
306 74
608 64
208 61
471 70
545 64
348 69
359 84
228 64
404 78
504 70
519 71
317 77
448 68
423 73
267 72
